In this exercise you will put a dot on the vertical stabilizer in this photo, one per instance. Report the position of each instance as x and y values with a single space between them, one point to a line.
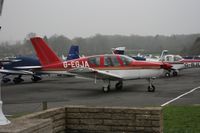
73 52
45 54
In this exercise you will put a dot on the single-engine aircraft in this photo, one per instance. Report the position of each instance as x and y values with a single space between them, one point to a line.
107 67
24 65
9 66
178 63
73 53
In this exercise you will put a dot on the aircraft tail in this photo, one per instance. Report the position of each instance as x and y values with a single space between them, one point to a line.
73 52
164 52
118 50
45 54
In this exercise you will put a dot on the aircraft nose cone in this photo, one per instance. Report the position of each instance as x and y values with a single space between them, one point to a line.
166 66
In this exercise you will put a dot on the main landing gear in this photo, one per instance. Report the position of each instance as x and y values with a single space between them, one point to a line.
107 85
18 79
6 80
119 85
174 73
151 87
36 78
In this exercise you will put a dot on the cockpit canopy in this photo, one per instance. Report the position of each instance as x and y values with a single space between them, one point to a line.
109 60
173 58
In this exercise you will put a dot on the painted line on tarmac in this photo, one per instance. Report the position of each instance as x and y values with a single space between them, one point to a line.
180 96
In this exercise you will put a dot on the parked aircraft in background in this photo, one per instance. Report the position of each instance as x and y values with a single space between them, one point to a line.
178 63
10 66
192 57
118 50
105 67
73 53
121 50
23 65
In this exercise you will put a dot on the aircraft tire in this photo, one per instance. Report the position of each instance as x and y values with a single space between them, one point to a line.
167 74
36 78
175 73
6 80
119 85
106 89
151 88
17 80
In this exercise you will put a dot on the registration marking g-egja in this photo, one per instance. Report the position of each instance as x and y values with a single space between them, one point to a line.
75 64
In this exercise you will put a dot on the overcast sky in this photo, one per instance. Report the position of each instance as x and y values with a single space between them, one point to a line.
84 18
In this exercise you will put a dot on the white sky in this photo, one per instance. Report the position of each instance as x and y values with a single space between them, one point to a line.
83 18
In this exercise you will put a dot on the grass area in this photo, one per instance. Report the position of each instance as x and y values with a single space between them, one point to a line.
181 119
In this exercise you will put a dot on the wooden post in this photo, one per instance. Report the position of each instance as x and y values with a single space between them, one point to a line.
44 105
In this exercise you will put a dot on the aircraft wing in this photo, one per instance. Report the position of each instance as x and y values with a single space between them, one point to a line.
37 69
28 67
22 72
94 73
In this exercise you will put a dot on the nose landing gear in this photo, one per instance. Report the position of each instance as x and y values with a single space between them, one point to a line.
151 87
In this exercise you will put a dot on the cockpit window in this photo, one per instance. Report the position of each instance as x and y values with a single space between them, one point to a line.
111 61
107 61
177 58
169 58
115 61
126 60
94 61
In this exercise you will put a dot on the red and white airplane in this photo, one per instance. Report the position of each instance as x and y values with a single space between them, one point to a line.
178 63
106 67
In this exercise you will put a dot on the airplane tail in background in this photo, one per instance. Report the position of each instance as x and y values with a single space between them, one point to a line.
164 52
44 53
73 52
118 50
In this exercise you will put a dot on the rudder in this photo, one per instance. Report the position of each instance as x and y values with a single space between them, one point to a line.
73 52
45 54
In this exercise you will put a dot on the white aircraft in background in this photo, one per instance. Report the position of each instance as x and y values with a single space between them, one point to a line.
178 63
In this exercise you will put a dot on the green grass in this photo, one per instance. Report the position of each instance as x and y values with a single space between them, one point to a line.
181 119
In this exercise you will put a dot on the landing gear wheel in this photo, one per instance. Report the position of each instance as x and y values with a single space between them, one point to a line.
106 89
6 80
17 80
119 85
175 74
151 88
167 74
36 78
